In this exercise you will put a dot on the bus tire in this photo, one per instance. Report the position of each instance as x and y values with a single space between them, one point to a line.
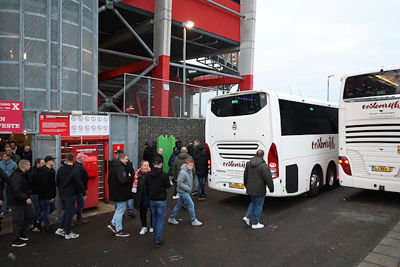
315 181
331 177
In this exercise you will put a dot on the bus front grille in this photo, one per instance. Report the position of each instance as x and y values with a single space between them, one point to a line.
238 151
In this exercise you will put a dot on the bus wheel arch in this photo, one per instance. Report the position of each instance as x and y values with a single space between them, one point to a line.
316 180
331 175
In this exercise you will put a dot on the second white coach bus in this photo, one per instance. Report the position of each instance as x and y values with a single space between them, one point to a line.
298 135
369 130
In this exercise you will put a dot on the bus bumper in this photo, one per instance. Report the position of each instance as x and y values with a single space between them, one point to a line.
369 183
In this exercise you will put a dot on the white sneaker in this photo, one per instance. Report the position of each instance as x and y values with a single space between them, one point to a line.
173 221
257 226
71 235
60 232
151 230
175 197
143 230
246 221
197 223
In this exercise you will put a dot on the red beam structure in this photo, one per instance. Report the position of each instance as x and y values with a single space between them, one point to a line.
131 68
215 82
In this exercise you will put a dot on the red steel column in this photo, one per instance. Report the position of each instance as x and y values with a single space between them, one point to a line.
162 50
247 35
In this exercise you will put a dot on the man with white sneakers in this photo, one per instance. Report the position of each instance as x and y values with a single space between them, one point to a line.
257 176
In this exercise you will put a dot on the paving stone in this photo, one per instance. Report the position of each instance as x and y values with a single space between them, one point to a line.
367 264
390 242
382 260
393 235
388 251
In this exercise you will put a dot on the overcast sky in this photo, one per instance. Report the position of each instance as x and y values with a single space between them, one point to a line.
300 43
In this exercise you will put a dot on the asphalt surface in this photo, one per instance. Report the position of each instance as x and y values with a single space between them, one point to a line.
335 228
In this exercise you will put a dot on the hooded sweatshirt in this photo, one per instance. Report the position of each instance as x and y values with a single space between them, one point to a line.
185 180
257 176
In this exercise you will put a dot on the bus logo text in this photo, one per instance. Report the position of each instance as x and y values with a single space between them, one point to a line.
375 105
235 164
320 144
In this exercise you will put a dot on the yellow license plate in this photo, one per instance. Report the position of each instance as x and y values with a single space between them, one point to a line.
234 185
381 169
398 149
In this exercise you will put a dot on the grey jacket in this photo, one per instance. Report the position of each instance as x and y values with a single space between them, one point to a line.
257 176
185 180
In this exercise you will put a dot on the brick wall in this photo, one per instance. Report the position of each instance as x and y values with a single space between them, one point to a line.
186 129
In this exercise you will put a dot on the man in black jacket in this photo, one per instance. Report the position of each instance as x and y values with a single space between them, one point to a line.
119 186
257 176
157 183
81 197
200 158
20 203
69 185
46 183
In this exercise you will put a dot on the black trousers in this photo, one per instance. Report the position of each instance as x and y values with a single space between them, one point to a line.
143 217
22 216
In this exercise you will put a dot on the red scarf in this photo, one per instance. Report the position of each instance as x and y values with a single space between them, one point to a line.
135 180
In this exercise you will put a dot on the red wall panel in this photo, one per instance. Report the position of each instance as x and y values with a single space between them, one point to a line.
206 16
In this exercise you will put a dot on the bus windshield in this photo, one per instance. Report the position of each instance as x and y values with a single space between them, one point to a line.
238 105
372 85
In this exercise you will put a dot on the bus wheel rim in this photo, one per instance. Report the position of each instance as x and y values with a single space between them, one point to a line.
314 181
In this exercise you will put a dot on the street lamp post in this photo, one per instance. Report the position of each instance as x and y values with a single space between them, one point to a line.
327 93
187 25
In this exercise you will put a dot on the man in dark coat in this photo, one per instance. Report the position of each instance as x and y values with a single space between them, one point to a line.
81 198
201 163
27 153
46 182
131 172
257 176
119 186
156 184
20 203
69 185
148 153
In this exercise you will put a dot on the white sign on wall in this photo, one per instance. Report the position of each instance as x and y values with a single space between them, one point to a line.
89 125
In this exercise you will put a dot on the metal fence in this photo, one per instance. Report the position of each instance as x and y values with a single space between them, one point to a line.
142 94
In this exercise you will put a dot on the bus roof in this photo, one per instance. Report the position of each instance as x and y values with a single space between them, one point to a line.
284 96
371 71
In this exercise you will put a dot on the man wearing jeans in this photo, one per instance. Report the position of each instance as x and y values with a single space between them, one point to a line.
69 184
157 182
47 190
184 188
120 185
257 176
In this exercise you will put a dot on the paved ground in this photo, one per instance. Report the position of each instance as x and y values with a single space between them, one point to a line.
337 228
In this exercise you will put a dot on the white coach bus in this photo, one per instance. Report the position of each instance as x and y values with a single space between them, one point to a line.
298 135
369 139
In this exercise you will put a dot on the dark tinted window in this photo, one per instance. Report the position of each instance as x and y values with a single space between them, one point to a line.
238 105
372 85
301 118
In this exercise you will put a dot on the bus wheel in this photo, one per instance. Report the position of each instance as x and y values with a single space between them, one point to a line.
315 182
331 178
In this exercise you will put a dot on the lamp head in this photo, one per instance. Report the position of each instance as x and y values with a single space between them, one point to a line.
188 24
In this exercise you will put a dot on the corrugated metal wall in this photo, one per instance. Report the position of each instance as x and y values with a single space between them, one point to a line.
35 68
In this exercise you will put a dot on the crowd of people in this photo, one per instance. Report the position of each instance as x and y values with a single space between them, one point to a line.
30 192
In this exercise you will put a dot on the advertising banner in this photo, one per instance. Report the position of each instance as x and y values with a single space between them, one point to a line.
89 125
11 117
54 124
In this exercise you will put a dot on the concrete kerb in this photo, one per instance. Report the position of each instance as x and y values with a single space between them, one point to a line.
387 252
